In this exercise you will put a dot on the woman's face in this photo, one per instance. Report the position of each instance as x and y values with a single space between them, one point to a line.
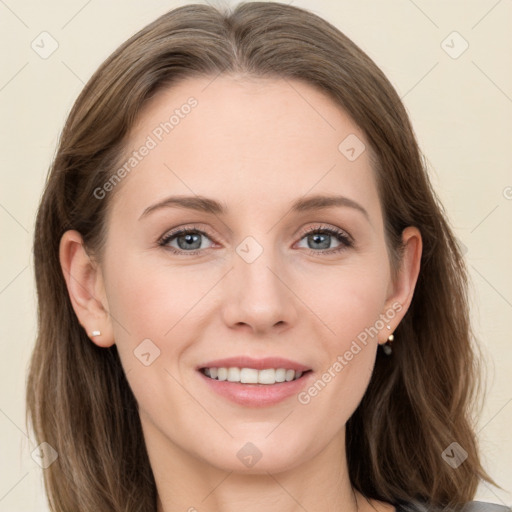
258 276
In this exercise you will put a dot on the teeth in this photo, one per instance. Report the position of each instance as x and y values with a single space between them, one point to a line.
252 376
234 374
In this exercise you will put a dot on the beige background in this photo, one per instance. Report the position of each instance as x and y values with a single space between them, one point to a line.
461 109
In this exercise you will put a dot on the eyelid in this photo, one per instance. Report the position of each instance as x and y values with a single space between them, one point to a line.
326 227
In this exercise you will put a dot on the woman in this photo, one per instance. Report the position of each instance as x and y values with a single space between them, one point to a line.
249 295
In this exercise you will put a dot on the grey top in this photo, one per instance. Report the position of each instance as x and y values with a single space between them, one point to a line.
470 506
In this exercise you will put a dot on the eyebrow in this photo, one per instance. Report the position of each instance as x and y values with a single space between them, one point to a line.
205 204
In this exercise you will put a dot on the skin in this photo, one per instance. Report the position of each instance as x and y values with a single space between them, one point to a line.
255 145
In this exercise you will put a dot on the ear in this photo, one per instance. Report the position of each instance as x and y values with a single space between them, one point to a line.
86 290
400 292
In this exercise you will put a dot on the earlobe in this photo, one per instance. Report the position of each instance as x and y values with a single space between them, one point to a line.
402 290
86 290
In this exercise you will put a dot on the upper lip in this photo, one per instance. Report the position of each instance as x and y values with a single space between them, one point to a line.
257 364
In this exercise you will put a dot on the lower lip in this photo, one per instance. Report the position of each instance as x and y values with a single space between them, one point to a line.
257 395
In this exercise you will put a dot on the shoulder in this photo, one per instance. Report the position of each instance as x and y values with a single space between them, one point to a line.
470 506
484 506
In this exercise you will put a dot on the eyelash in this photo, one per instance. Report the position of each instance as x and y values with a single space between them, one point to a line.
341 236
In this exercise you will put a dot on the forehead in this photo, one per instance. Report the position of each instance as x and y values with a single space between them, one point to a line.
250 142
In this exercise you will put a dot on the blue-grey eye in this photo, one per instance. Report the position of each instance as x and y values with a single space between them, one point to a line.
187 240
321 239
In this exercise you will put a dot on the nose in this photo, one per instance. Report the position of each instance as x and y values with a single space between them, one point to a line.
259 297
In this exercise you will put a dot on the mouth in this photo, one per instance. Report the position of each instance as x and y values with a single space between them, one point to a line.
255 382
246 375
243 390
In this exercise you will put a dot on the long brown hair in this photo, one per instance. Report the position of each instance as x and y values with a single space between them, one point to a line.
419 400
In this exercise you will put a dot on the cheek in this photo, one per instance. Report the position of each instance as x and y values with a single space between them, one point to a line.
150 299
347 301
157 309
349 354
349 304
152 307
